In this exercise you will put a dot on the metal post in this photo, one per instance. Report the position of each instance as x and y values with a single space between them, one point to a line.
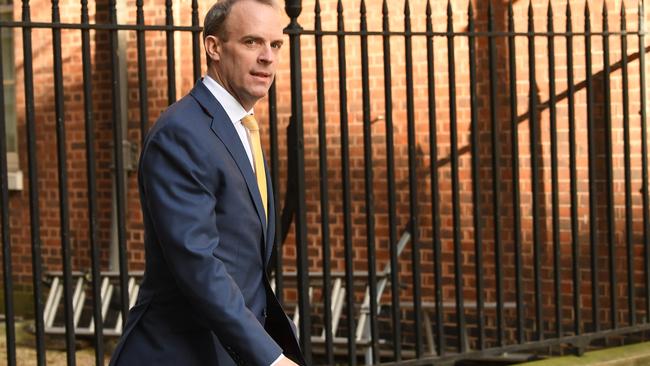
293 9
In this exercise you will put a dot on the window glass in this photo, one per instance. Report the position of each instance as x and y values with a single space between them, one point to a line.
9 77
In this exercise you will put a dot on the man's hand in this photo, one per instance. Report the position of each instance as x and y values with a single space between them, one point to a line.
285 362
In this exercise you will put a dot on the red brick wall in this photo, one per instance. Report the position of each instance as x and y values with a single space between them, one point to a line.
157 93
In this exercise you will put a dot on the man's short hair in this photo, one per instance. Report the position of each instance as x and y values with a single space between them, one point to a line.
215 18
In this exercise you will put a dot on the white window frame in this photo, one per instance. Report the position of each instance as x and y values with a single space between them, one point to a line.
13 167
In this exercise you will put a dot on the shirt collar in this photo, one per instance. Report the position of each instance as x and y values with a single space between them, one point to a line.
233 108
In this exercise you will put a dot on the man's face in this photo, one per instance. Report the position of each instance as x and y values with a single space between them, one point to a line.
246 62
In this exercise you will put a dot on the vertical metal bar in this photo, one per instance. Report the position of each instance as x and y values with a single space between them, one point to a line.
64 212
455 181
629 228
8 287
171 64
476 180
390 170
534 166
293 9
345 166
644 153
34 211
142 71
275 179
593 227
119 163
516 198
611 224
435 193
196 41
368 179
413 184
92 188
496 176
575 234
324 192
557 254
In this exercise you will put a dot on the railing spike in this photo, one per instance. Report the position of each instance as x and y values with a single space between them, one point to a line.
317 17
55 11
490 11
641 16
623 14
339 17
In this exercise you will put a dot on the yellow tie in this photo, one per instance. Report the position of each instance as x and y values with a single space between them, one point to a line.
251 124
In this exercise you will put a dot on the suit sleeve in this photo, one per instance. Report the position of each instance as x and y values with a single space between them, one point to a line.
176 179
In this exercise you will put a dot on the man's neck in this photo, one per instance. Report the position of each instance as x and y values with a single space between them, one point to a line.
216 77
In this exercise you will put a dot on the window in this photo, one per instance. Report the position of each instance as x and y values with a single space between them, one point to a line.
9 86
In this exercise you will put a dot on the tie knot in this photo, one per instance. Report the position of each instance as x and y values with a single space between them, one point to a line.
250 123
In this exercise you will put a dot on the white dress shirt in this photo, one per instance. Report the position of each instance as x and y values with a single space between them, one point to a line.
235 112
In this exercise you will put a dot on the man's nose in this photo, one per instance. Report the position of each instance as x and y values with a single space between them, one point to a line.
267 55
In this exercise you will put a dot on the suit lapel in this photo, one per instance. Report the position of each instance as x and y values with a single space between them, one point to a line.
225 131
270 229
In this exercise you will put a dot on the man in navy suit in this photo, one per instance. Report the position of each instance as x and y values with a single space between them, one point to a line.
209 214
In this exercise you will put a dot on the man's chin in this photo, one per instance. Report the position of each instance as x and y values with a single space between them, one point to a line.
260 93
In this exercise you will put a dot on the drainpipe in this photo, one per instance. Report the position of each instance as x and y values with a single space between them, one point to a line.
129 152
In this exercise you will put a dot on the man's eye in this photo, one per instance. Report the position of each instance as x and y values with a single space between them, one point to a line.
249 42
276 45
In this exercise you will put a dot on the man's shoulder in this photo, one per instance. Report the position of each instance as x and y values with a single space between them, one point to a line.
185 115
183 129
183 109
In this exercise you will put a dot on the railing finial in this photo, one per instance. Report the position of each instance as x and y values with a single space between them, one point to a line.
641 16
623 14
293 9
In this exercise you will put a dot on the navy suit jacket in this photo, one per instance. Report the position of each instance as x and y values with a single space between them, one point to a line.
205 298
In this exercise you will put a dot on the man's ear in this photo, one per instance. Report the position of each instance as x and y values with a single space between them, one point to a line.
212 46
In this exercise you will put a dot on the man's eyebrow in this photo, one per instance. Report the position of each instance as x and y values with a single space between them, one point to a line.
260 38
251 36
